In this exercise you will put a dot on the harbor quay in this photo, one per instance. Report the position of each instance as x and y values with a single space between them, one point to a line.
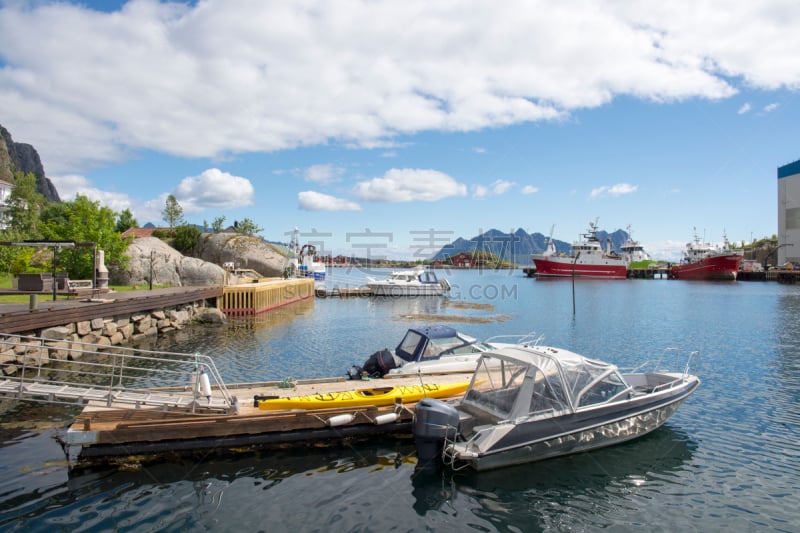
779 275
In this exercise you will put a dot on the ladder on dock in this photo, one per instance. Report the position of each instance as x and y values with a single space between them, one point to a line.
43 370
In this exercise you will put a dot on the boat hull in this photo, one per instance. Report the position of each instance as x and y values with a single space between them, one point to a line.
574 433
379 396
406 289
718 268
557 267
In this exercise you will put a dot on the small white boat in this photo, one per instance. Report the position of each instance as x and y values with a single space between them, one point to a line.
529 403
434 349
419 281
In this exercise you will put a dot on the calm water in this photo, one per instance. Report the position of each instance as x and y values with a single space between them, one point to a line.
729 458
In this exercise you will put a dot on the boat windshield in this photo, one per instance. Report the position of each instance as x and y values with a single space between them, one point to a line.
590 382
428 277
407 348
555 380
418 347
496 385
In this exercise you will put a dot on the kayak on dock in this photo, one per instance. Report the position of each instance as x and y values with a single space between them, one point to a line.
377 396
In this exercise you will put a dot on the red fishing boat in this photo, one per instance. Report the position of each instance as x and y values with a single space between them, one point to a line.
708 261
588 259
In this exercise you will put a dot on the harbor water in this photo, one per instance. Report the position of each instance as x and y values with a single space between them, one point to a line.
729 459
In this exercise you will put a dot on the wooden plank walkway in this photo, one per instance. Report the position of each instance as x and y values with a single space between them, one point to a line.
18 317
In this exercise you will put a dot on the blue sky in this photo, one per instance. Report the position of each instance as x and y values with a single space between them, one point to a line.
391 128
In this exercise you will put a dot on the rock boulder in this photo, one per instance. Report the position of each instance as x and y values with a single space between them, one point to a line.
169 267
244 252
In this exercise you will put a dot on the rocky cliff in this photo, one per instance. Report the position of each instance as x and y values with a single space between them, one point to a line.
20 157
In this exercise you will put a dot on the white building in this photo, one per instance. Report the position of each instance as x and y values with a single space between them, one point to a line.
789 212
5 192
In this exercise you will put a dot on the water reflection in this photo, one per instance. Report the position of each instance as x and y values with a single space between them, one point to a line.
602 475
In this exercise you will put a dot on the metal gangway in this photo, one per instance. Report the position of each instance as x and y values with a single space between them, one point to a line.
76 373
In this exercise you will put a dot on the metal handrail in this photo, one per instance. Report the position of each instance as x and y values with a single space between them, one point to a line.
113 374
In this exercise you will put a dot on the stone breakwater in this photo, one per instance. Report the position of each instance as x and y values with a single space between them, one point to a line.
70 341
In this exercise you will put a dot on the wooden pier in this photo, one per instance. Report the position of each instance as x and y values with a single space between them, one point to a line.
15 318
260 297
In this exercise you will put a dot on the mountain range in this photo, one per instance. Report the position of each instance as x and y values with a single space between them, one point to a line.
517 247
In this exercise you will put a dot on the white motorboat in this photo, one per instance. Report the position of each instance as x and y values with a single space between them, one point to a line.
434 349
527 403
419 281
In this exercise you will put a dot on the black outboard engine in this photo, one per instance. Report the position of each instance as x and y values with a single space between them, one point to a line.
378 365
434 421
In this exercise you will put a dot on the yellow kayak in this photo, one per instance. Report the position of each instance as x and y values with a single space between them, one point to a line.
361 397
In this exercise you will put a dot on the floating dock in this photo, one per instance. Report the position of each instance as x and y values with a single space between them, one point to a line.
104 434
137 402
343 292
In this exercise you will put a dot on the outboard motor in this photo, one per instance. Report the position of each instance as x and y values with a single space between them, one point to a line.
378 365
434 421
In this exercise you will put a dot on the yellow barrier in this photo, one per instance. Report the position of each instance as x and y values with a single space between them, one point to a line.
255 298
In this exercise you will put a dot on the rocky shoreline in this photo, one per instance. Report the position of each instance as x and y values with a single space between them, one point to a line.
68 342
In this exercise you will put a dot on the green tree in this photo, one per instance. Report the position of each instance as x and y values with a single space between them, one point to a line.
173 212
247 227
84 221
14 259
25 205
186 237
216 226
125 221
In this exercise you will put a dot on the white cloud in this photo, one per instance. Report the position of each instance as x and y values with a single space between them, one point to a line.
217 78
771 107
214 189
671 251
614 190
495 189
410 185
530 189
745 108
323 173
144 211
71 185
315 201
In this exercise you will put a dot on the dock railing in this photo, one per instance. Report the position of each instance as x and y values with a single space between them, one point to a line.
74 373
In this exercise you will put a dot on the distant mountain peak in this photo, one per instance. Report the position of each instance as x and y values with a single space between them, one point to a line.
516 247
21 157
